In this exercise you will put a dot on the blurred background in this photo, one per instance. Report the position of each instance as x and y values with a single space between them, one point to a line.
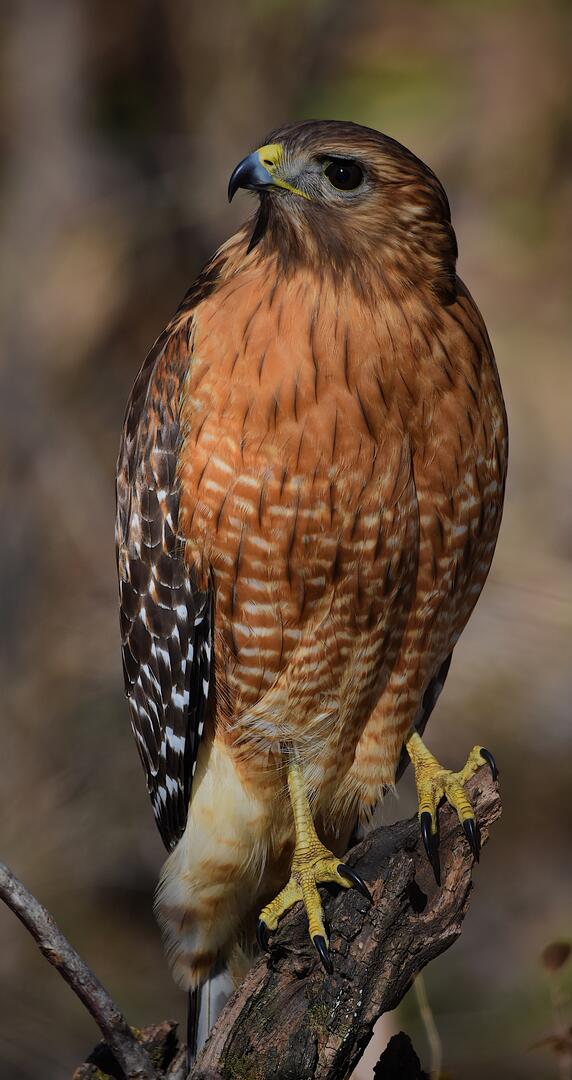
119 125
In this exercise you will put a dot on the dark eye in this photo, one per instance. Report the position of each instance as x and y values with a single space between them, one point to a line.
345 175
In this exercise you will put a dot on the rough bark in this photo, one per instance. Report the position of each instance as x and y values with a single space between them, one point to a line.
291 1021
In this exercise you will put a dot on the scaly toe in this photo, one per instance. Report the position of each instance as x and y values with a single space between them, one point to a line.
307 874
269 916
435 783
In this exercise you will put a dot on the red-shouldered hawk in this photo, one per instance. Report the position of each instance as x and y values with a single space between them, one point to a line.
310 488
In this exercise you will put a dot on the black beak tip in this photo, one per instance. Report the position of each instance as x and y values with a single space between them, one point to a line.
249 173
241 176
232 187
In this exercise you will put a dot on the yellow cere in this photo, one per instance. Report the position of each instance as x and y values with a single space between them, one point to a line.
270 157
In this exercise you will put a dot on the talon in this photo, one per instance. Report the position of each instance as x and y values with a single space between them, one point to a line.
470 830
357 881
430 843
426 821
262 933
435 783
322 949
488 757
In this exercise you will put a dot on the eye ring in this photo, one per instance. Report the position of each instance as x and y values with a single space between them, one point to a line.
344 174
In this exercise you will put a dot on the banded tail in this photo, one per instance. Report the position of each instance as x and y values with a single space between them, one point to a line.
206 1003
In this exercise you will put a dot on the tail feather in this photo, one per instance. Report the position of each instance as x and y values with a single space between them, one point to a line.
193 1008
206 1003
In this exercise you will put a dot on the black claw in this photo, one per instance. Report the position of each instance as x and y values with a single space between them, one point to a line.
357 881
323 953
425 821
488 757
262 933
470 830
430 843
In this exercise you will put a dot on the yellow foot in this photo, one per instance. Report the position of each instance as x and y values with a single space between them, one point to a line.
435 783
312 865
309 869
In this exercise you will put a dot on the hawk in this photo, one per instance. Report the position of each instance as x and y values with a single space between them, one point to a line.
309 491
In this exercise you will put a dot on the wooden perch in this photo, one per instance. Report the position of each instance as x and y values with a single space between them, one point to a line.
289 1020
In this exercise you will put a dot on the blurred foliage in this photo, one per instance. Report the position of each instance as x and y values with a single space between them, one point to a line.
120 124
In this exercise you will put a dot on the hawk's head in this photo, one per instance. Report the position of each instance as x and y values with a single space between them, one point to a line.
341 196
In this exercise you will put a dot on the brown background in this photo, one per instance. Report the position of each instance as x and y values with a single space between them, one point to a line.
120 123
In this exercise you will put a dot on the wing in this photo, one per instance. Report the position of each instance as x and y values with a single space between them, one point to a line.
166 620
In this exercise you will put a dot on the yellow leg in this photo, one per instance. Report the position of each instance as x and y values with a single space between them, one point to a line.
435 783
312 863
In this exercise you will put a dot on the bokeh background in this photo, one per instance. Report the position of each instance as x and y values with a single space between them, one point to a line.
119 124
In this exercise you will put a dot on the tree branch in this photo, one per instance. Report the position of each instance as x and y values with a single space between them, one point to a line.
289 1019
133 1059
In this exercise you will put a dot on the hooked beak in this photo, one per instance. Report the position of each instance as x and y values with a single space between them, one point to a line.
249 173
258 171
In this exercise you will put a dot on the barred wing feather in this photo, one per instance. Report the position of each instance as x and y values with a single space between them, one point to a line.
166 620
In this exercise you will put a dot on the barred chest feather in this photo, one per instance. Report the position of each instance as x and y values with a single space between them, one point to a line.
334 484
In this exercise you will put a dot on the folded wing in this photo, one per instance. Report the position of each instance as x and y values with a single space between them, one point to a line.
166 619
